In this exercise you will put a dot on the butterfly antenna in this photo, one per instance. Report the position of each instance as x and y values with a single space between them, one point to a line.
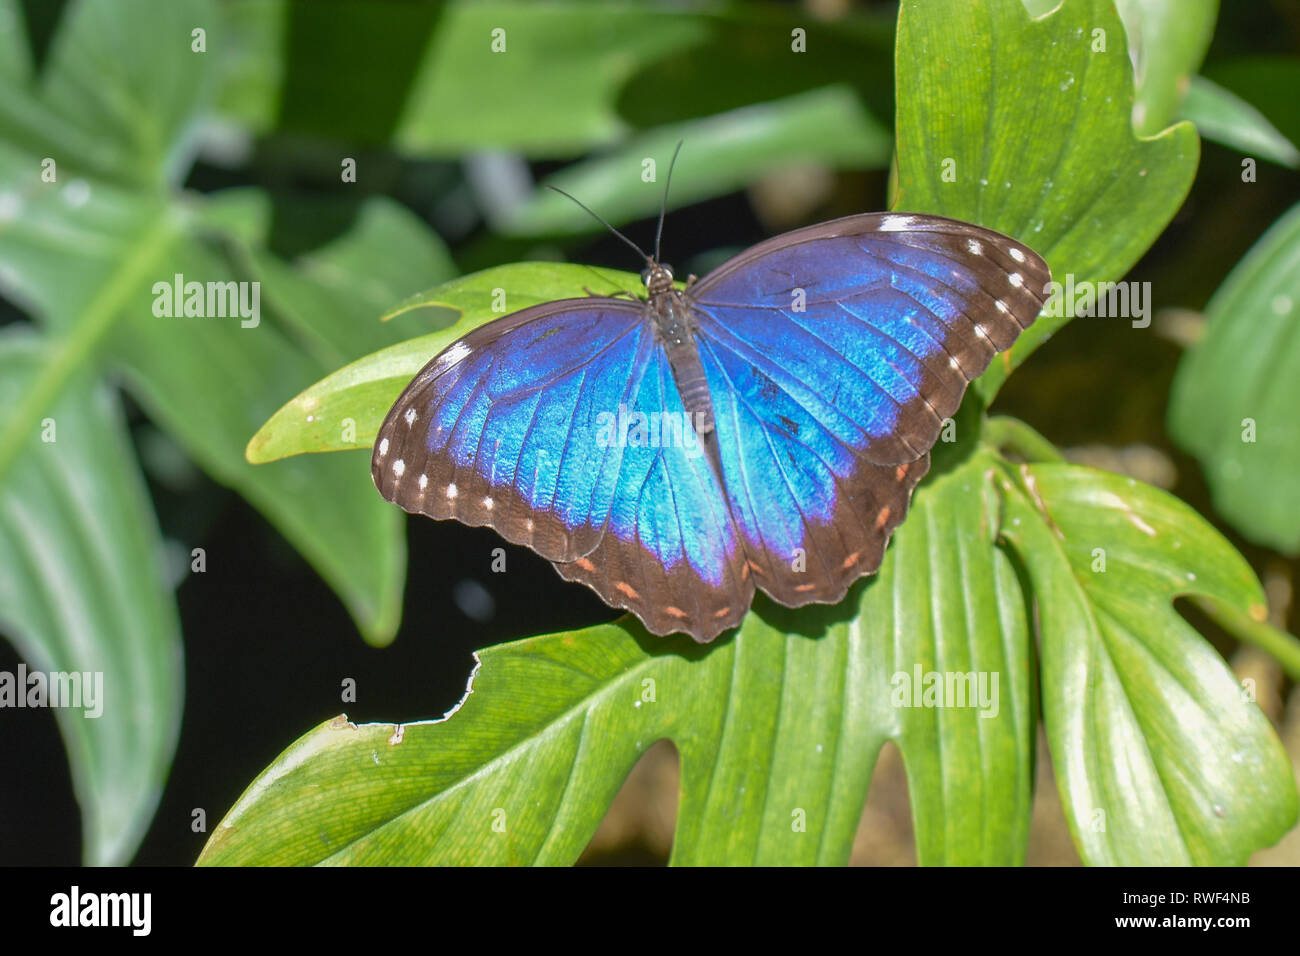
600 220
663 209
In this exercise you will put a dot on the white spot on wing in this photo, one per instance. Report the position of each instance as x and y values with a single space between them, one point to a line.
487 502
383 448
1002 306
456 352
1017 279
410 416
1017 254
975 247
424 482
399 468
451 490
896 223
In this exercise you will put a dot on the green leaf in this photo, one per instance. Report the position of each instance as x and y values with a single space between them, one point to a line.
1226 118
436 81
15 59
75 255
63 244
344 263
211 382
1235 396
777 728
761 53
1039 137
566 81
112 107
947 602
364 391
1160 758
1266 82
1167 41
83 591
720 154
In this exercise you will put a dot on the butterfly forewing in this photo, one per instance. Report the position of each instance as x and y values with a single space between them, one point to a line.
539 425
670 553
498 429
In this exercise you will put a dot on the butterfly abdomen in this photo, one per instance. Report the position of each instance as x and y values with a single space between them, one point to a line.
674 327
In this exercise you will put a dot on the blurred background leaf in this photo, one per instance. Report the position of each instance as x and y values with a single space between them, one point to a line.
1266 81
427 78
1167 40
102 106
1226 118
721 154
83 591
1235 400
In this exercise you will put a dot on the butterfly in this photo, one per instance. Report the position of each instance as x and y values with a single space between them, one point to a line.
762 428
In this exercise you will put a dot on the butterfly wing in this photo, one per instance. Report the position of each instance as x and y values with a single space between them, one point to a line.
671 553
522 425
833 356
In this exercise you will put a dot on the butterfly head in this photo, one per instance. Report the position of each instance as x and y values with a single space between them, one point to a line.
658 278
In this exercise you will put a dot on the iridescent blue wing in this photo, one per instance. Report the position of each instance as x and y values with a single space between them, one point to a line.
833 356
528 425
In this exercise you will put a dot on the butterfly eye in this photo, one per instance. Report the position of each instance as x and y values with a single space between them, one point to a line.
657 275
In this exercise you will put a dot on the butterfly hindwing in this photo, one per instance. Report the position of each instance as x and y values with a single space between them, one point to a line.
814 515
671 553
483 433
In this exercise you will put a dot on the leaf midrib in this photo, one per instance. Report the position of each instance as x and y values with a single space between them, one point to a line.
78 346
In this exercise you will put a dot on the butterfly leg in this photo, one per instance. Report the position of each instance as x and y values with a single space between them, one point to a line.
608 295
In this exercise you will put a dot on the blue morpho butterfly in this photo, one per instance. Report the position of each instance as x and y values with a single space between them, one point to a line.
762 428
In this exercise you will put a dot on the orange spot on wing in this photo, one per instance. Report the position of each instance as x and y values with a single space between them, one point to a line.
805 587
626 589
585 564
724 612
675 612
882 519
900 472
851 560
